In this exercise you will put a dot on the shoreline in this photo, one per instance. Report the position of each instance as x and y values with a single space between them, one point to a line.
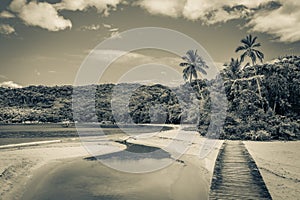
27 144
24 162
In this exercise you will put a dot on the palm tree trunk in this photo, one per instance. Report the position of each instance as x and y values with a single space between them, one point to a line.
274 107
201 96
199 90
259 88
257 81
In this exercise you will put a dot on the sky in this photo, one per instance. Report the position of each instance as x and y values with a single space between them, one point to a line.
44 42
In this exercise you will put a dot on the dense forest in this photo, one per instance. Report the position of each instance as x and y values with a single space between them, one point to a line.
262 102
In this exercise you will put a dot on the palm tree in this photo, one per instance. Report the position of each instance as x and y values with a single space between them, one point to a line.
233 68
193 63
249 48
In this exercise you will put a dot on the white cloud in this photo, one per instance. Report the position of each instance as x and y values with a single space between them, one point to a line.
36 72
6 29
215 11
114 32
115 35
10 84
102 6
6 14
125 57
17 5
108 54
283 22
172 8
92 27
45 15
40 14
113 29
2 76
279 18
107 25
208 11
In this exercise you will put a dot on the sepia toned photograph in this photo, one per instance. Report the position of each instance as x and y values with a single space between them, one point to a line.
149 99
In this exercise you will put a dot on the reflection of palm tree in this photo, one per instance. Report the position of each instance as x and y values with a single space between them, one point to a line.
249 47
193 63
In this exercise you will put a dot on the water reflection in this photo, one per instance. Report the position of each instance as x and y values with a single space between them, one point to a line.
135 159
90 179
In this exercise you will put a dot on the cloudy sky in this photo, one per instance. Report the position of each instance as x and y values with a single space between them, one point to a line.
45 41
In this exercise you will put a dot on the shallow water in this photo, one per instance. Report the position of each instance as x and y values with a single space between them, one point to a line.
89 178
85 180
19 133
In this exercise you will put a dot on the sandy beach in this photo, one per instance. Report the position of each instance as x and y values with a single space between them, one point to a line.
279 166
21 166
17 165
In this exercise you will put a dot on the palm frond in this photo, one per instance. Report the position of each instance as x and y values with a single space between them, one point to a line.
249 38
256 45
253 40
200 61
202 71
240 48
186 58
252 56
195 53
243 56
183 64
194 73
185 76
191 55
193 64
260 55
186 70
247 64
246 42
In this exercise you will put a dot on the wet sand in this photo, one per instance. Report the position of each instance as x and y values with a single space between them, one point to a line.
18 164
279 165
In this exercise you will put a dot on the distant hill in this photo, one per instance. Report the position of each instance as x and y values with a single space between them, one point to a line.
54 104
